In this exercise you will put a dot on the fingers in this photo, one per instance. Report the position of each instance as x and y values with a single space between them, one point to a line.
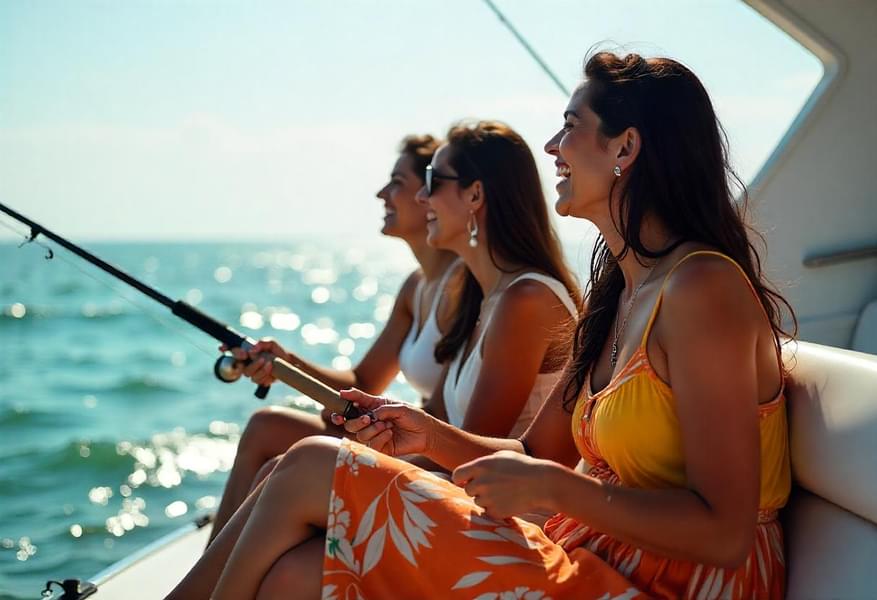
354 425
465 473
268 346
381 442
392 412
366 401
369 433
238 353
260 371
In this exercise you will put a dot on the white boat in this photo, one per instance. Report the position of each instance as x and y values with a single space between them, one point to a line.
815 200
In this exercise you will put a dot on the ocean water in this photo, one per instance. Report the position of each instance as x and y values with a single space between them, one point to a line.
113 430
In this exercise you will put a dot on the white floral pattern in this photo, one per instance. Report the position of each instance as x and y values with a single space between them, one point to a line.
353 459
519 593
386 522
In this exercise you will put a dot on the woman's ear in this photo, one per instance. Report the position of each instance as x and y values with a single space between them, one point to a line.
474 196
628 147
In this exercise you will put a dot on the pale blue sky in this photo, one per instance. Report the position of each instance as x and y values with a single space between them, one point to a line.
243 120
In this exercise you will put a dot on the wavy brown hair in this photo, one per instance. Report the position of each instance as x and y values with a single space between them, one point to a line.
682 176
420 149
518 228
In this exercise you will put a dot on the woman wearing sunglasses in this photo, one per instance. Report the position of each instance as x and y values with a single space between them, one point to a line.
422 311
506 343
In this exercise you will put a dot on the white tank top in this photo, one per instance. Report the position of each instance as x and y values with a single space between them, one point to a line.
460 382
417 354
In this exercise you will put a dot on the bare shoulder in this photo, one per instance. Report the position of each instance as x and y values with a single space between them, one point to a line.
529 299
709 287
406 292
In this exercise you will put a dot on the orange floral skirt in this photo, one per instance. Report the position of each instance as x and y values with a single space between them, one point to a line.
398 531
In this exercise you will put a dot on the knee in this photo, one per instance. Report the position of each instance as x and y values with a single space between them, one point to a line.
258 429
312 452
264 471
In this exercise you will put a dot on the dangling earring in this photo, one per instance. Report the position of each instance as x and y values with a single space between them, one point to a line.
472 228
617 171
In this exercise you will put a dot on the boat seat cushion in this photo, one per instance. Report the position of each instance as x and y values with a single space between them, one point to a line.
865 333
831 519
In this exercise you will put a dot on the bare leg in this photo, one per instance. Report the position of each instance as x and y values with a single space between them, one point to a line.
291 510
297 573
200 581
264 472
270 432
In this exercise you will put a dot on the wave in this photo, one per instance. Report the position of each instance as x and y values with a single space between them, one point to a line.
161 459
143 385
14 417
100 455
139 385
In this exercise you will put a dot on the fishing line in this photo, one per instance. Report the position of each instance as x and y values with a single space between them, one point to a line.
51 254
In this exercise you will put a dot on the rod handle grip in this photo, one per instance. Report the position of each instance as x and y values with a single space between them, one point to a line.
313 388
262 391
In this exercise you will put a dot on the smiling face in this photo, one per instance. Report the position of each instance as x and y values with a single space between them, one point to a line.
584 158
404 217
448 206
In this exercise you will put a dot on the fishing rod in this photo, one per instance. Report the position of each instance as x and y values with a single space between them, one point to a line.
530 50
227 368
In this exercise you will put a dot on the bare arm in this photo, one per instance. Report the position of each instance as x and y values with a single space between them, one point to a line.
435 405
548 437
520 332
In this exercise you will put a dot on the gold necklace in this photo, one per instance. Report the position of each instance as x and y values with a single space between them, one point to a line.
613 355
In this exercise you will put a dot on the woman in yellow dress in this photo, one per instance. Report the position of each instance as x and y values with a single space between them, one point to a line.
673 396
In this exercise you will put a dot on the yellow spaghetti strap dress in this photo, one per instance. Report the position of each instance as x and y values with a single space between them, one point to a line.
397 531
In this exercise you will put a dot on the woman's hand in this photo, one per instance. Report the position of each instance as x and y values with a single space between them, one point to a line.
508 483
259 370
394 428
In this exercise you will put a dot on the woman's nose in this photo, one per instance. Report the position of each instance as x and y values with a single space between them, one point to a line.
551 145
422 197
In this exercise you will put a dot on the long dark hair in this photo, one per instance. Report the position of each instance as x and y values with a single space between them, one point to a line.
681 176
518 229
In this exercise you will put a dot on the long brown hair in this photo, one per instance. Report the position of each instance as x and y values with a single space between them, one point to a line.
682 176
518 228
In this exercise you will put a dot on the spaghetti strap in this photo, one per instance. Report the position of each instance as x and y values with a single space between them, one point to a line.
660 298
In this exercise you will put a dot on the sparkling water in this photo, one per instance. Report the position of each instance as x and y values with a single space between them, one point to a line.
113 430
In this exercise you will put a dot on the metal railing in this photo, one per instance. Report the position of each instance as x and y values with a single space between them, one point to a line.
827 259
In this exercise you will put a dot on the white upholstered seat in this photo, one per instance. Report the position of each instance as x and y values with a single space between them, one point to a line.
831 519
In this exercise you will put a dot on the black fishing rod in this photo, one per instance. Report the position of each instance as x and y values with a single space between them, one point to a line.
227 367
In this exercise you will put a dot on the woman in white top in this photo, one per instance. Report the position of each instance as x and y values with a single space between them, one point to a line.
423 309
504 349
509 335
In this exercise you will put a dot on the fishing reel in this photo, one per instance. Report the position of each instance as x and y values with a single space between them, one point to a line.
229 369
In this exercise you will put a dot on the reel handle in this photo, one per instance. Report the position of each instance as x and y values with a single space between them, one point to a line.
228 369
